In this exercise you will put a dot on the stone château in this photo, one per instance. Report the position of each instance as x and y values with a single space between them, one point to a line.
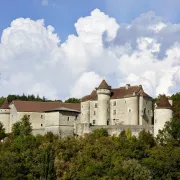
128 107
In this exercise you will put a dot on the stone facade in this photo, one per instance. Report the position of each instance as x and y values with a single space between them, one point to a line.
59 120
122 108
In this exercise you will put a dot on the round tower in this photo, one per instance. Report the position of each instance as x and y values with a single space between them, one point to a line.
104 94
163 113
5 116
85 109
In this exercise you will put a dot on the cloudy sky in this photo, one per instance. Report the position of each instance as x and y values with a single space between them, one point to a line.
64 48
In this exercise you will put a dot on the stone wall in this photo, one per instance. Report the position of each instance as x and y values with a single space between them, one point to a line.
81 129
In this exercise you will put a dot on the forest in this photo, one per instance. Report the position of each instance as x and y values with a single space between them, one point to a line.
96 156
32 97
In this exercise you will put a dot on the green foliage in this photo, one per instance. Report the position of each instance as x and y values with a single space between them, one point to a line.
2 132
22 127
96 156
24 97
176 105
72 100
170 133
99 133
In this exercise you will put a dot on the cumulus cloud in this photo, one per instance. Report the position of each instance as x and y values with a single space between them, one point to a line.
85 84
146 51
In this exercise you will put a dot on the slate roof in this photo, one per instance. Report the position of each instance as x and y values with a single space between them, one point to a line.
119 93
36 106
163 103
5 105
104 85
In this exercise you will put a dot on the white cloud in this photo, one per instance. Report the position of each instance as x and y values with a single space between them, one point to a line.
146 51
85 84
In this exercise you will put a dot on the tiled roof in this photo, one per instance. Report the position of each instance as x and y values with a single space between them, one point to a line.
142 93
35 106
119 93
63 109
5 105
104 85
163 103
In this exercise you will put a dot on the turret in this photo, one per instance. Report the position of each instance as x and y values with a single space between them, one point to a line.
104 94
85 109
5 115
163 113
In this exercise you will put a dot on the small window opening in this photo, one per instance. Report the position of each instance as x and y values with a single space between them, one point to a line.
95 105
68 119
114 112
41 125
114 103
94 121
94 112
41 116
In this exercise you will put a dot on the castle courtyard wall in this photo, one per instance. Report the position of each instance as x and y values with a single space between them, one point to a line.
113 130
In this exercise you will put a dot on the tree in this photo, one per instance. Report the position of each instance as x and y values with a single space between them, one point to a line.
2 131
170 133
72 100
22 127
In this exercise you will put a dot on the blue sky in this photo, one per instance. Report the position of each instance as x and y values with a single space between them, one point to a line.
134 42
62 14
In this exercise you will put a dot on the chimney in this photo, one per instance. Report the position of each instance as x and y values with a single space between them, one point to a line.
127 86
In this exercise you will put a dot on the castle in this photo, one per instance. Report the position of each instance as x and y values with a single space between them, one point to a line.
117 109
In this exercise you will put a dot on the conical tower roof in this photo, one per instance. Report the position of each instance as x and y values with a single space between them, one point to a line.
104 85
163 103
5 105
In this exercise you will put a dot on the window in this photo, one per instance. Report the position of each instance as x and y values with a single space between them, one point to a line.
144 111
41 125
114 112
94 112
68 119
95 105
114 103
129 110
41 116
29 116
94 121
76 117
82 106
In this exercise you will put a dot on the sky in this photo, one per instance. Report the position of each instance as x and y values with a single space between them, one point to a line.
64 48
